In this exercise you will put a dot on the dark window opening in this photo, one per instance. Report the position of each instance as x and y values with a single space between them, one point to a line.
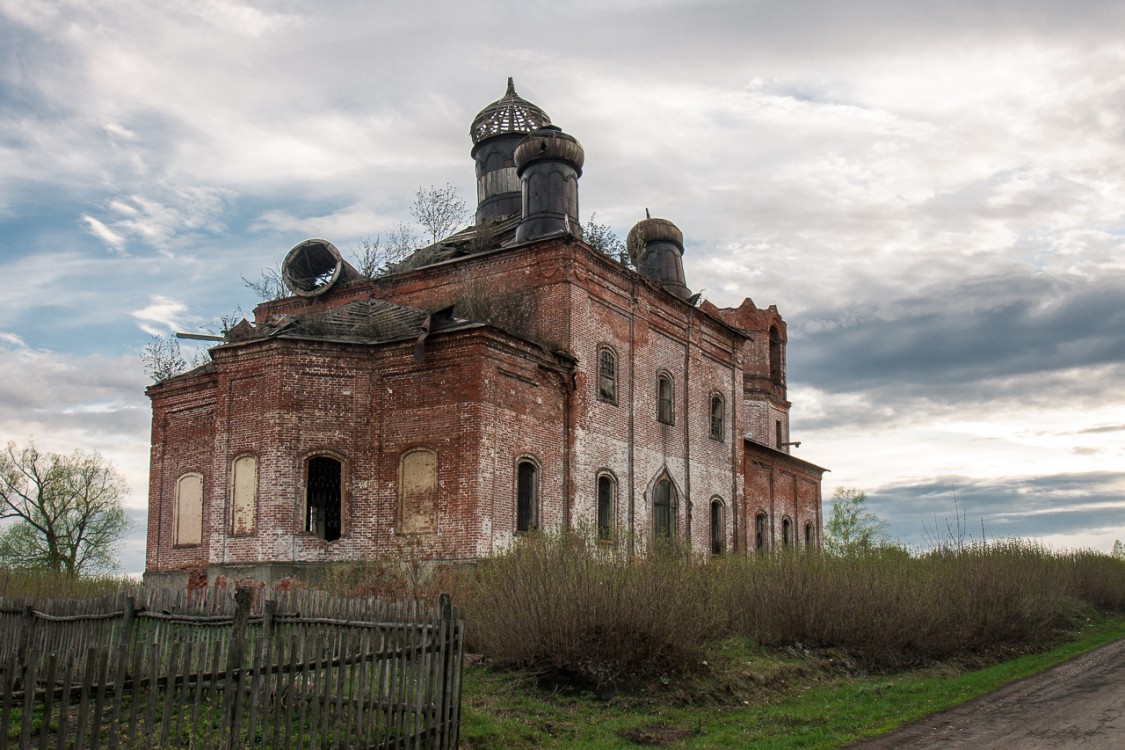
527 496
607 376
716 527
760 532
775 356
786 528
717 413
664 399
322 506
808 535
780 440
662 508
605 507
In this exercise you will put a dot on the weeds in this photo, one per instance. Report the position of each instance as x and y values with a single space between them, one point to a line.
557 604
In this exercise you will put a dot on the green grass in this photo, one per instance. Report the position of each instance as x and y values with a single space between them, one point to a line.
792 700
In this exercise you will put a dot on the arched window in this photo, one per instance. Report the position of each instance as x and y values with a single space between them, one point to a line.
527 496
808 535
786 532
760 532
244 495
607 491
417 491
607 375
665 399
187 513
717 531
775 356
323 497
663 504
717 417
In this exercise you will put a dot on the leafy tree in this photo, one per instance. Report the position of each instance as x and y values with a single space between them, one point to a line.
851 527
63 513
1118 549
603 239
438 210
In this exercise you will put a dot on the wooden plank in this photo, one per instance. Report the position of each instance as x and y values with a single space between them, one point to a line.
102 677
169 694
28 700
48 702
9 683
135 693
84 699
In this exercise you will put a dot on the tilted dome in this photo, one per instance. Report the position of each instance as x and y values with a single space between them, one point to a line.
510 113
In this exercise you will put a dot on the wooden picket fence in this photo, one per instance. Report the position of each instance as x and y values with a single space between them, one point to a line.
162 669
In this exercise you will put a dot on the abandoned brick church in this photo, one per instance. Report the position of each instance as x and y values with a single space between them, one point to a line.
505 379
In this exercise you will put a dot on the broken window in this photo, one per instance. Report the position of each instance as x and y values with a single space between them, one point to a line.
187 515
606 491
786 532
662 506
527 496
665 402
244 495
323 488
760 532
717 526
808 535
417 482
607 375
775 356
717 413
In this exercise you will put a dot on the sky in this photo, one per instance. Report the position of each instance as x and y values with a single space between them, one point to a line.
931 193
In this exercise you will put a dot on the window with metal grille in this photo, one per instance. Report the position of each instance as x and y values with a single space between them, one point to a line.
665 401
322 497
717 413
607 375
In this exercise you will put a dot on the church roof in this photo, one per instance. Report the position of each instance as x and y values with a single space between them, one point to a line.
510 113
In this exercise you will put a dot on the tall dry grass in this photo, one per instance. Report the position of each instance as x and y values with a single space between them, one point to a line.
43 584
560 603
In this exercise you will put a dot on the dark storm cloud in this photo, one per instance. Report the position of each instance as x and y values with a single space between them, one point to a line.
931 511
955 336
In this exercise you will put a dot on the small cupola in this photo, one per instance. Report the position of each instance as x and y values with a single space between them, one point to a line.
548 164
657 249
496 131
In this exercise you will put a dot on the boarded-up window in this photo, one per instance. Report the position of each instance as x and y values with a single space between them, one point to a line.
188 515
244 495
417 483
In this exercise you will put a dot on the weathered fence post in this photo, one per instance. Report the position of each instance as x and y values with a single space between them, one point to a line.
236 656
27 625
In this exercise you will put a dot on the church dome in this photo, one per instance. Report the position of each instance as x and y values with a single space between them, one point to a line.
510 113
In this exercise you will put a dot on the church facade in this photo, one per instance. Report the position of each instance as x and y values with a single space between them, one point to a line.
507 379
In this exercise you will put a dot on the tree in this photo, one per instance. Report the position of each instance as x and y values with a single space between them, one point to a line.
438 210
269 285
603 239
851 527
162 358
1118 549
376 257
64 513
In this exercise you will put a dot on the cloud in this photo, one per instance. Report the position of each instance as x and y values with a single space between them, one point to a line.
111 238
164 312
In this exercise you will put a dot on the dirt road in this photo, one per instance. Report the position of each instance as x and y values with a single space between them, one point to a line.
1079 704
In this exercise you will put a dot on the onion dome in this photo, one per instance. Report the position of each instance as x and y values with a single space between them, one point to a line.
510 113
549 143
652 230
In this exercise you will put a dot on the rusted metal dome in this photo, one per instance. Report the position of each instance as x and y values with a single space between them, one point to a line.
549 142
652 230
510 113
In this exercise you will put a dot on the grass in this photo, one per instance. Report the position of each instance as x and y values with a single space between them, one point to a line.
786 699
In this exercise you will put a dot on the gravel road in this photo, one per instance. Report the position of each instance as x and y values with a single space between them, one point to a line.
1078 704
